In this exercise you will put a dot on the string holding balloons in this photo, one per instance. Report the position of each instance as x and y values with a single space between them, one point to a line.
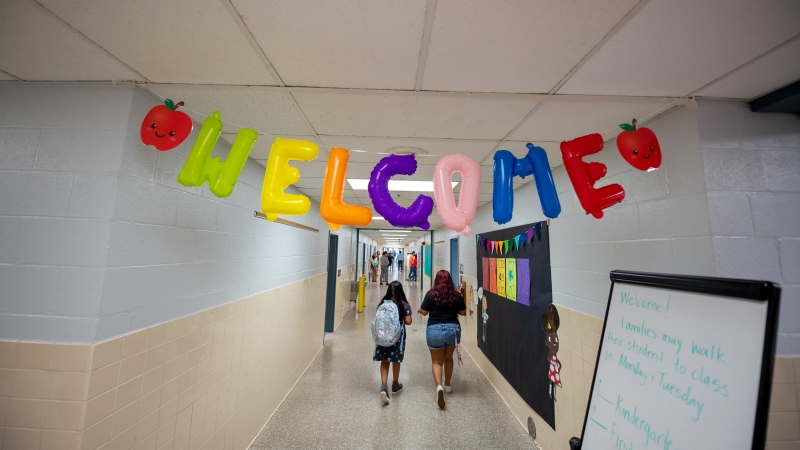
165 128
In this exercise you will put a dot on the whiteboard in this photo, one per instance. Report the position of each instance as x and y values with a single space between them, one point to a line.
680 370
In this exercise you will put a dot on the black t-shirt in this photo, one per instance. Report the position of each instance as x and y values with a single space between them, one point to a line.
442 314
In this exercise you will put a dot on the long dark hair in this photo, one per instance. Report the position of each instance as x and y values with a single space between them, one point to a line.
443 292
395 293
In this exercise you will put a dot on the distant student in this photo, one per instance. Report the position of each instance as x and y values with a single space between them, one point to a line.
394 307
373 268
445 304
412 267
384 268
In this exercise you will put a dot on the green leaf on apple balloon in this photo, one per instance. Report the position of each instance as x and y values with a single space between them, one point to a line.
170 104
627 127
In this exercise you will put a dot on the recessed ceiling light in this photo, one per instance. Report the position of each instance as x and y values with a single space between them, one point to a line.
396 231
377 218
362 184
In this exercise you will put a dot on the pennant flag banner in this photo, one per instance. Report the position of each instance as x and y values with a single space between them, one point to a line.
517 243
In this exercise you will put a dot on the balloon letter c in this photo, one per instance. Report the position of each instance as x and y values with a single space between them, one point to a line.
415 215
458 217
279 175
332 208
583 175
506 167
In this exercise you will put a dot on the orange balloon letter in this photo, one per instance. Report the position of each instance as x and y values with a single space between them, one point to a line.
332 207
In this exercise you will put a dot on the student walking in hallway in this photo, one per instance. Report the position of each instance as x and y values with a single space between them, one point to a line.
444 304
394 353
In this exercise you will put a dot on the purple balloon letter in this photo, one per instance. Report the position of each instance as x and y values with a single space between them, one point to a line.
415 215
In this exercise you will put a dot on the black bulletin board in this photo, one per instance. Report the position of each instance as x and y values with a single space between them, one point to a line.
515 340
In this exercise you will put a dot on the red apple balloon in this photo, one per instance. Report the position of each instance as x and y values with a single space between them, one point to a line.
164 128
639 147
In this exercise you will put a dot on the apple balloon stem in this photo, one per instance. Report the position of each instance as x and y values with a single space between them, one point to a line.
179 104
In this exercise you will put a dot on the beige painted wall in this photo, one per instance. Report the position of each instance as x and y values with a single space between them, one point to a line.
209 380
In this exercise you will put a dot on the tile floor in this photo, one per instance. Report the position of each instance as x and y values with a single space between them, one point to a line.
336 403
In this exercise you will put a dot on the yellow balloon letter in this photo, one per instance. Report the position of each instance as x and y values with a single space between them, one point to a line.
279 175
333 208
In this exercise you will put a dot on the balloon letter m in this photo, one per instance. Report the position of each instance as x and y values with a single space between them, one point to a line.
506 167
279 175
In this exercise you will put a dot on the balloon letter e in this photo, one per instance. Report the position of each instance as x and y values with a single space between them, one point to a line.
279 175
506 167
332 208
458 217
583 175
221 176
415 215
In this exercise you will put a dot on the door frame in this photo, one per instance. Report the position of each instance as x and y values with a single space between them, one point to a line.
454 261
330 294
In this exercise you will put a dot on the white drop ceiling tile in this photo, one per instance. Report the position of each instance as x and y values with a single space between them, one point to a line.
564 121
264 143
772 72
673 47
514 46
378 148
179 41
263 111
412 116
6 77
349 43
311 169
308 182
35 46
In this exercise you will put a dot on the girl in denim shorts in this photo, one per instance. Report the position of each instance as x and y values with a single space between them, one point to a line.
443 304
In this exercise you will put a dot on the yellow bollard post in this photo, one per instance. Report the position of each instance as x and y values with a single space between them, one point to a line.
362 294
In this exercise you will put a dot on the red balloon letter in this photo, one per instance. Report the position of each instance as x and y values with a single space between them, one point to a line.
583 175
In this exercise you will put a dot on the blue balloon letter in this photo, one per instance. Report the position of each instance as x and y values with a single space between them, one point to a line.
506 167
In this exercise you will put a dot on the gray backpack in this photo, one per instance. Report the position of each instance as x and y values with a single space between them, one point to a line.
386 328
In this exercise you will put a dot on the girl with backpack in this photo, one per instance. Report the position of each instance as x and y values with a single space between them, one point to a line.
443 333
373 267
389 333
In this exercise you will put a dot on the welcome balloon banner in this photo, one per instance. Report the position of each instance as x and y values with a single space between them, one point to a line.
165 128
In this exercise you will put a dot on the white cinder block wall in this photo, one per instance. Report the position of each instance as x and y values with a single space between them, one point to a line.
752 173
97 239
725 202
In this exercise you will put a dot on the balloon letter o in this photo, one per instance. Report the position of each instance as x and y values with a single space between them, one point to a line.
458 217
279 175
333 208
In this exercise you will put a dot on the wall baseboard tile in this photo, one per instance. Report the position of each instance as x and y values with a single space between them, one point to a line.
579 336
209 380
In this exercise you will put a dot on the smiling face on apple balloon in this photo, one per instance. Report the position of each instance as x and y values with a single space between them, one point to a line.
639 147
164 128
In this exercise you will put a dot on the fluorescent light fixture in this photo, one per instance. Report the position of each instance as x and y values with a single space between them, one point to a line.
395 231
377 218
361 184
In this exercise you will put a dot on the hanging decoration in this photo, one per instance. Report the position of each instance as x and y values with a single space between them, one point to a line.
332 208
221 176
279 175
583 175
459 217
165 128
506 167
639 147
415 215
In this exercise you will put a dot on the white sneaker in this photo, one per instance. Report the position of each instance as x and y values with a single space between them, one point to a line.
440 396
448 389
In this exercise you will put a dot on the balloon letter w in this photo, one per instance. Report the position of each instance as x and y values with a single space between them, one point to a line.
279 175
332 208
506 167
221 176
458 217
583 175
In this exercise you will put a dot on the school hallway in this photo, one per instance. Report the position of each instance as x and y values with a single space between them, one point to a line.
336 403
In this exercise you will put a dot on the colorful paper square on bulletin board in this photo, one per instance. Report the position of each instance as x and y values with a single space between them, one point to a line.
501 277
523 281
492 275
511 279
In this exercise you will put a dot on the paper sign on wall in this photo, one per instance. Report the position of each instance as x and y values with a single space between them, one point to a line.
492 275
523 282
501 277
511 279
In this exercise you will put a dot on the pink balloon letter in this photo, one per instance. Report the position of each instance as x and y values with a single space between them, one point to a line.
458 217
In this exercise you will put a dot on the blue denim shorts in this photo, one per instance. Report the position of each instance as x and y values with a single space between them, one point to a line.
442 335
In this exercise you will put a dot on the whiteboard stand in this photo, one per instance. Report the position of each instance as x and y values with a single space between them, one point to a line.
684 363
